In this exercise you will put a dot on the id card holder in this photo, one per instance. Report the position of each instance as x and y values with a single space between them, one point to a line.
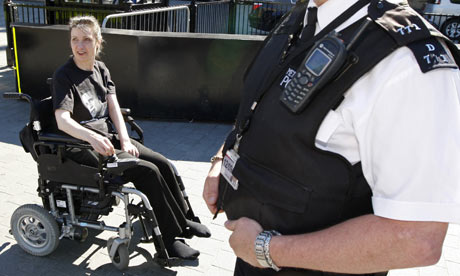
227 168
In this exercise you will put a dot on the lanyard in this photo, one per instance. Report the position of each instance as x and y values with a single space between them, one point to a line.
272 76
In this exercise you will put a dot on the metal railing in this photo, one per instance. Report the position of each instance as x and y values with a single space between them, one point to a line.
168 19
448 24
258 17
225 16
27 13
213 17
55 12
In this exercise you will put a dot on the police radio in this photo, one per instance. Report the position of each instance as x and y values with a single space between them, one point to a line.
321 63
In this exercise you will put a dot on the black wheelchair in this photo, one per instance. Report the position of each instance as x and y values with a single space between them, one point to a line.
76 196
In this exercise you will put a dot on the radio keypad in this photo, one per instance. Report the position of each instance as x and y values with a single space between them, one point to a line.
298 87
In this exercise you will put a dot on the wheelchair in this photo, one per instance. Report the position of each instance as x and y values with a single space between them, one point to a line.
76 196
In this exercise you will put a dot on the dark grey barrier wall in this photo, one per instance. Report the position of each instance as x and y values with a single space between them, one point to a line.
158 75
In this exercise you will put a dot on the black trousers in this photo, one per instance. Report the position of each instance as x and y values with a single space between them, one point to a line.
155 177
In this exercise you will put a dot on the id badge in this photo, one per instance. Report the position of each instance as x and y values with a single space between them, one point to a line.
227 168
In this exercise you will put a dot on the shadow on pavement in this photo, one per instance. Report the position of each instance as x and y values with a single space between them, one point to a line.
74 258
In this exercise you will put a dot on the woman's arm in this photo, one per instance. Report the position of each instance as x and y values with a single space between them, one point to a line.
99 143
118 121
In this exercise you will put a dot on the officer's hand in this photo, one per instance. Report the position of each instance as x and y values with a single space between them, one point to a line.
211 186
242 239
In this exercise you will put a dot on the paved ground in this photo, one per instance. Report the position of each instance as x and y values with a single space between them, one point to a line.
189 145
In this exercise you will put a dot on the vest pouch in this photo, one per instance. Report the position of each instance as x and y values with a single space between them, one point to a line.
274 200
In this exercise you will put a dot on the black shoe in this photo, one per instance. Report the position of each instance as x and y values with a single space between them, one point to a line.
196 229
179 249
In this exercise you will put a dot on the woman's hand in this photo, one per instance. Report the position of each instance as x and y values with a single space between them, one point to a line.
128 147
101 144
66 123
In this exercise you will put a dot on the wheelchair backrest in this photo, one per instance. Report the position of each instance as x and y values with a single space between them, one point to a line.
41 120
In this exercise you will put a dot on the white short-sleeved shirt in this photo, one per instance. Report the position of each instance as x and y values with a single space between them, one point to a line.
404 127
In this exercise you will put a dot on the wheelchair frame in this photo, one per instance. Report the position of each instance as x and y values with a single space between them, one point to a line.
25 227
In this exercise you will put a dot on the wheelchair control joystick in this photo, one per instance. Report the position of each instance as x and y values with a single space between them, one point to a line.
113 159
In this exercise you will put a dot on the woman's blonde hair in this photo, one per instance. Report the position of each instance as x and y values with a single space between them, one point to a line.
88 23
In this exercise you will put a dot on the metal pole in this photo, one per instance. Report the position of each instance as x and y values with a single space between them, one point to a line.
9 35
50 15
232 17
192 16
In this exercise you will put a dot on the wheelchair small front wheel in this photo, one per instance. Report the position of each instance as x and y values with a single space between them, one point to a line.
121 258
35 230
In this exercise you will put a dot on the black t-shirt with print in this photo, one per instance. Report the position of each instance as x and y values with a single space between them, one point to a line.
83 94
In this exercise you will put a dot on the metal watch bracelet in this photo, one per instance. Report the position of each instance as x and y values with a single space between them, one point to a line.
259 246
262 249
267 250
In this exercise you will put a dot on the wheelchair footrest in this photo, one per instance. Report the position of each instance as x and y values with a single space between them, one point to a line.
169 262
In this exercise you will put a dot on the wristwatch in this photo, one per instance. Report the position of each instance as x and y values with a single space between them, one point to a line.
259 247
262 249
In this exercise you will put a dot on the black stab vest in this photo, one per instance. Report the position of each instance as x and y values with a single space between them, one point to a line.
285 182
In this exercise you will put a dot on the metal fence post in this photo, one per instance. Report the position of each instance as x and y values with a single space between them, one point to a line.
50 15
193 12
9 35
232 16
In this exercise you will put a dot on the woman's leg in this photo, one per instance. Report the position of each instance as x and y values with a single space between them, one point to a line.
166 170
147 178
174 194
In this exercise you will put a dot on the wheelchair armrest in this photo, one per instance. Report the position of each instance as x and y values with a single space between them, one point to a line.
125 111
134 126
118 166
60 137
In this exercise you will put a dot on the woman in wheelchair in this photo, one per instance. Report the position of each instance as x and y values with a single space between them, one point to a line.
86 108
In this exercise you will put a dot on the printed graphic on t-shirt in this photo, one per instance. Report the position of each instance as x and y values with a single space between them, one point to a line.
89 102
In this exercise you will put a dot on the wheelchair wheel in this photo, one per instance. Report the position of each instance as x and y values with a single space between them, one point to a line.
121 258
35 230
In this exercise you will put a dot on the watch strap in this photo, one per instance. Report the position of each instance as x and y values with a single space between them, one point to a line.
262 249
267 251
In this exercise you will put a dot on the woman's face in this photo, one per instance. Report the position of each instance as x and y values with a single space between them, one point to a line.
84 46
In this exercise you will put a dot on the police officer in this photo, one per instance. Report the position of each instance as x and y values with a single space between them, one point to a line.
365 177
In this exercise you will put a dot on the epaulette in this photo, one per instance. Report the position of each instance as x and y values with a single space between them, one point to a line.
431 54
408 28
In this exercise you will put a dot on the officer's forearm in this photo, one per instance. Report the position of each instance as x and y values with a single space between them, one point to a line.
220 151
364 244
